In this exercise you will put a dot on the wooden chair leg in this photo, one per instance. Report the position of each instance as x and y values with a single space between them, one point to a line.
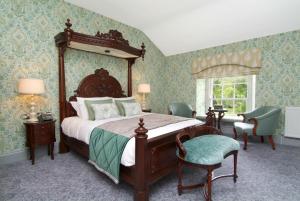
235 167
209 184
272 142
245 136
262 140
234 133
179 174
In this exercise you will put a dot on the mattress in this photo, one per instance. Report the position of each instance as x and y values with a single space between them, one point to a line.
81 129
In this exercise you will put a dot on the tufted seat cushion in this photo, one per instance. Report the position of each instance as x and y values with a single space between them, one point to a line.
242 127
209 149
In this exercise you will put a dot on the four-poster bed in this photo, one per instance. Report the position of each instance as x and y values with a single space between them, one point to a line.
155 157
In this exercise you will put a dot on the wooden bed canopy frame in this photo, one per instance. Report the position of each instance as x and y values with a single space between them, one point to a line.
155 157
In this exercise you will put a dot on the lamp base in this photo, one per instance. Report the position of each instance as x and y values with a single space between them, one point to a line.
32 117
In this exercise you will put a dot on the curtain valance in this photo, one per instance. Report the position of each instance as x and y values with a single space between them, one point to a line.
246 62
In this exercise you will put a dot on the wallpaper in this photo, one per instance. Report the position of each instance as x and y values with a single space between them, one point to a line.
278 82
28 50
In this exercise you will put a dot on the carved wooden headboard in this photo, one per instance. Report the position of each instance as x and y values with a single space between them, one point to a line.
99 84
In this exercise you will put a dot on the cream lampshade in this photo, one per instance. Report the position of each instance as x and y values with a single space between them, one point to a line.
31 87
144 89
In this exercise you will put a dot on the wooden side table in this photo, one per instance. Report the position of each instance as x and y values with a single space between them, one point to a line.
221 114
40 133
146 110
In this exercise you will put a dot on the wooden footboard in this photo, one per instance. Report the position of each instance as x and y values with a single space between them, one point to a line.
154 159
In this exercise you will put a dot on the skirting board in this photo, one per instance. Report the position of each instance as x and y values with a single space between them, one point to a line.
22 155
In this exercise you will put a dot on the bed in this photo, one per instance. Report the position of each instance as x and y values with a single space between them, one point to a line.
154 155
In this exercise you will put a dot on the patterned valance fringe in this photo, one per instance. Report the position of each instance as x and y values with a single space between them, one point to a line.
228 65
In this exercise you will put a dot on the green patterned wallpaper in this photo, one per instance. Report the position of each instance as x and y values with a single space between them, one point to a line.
277 84
27 30
27 50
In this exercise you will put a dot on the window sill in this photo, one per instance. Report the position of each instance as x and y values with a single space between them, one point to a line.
229 119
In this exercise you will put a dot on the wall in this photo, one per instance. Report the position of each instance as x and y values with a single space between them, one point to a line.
277 84
27 30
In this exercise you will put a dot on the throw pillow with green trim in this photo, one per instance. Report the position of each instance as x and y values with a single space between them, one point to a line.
120 106
89 103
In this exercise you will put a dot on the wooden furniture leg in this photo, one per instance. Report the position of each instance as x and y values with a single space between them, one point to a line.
179 173
32 154
272 142
209 184
52 148
245 136
235 167
262 140
234 134
49 149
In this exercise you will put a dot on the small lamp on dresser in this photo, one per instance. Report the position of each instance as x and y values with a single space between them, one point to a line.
144 89
31 87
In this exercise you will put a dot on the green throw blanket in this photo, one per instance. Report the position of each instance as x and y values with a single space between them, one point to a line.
106 150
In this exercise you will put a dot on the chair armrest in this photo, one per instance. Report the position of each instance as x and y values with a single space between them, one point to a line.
194 114
255 122
267 115
243 115
180 138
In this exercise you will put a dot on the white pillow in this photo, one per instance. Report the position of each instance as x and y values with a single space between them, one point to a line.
131 108
125 98
82 106
105 111
76 107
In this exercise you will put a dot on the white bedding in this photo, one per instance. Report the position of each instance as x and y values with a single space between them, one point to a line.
81 130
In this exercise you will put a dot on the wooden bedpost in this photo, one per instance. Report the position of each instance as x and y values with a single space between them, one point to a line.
129 81
141 188
63 148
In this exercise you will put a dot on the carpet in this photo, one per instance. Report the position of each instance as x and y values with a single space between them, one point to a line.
264 175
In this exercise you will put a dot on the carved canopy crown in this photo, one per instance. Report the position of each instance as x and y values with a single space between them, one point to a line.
111 43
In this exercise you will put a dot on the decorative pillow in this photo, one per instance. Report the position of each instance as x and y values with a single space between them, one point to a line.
132 108
119 102
83 107
88 104
104 111
76 107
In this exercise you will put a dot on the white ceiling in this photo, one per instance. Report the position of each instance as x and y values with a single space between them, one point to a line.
178 26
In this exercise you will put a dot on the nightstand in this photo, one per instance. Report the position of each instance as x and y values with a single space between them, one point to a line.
40 133
146 110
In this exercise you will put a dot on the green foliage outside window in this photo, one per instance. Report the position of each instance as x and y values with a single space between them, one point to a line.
230 92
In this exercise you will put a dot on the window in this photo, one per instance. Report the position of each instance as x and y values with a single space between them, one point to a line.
236 94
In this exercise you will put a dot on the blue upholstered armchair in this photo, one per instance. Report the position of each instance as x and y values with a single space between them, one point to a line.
181 109
261 122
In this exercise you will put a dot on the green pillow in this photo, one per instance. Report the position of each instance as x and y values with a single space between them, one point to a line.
120 106
88 104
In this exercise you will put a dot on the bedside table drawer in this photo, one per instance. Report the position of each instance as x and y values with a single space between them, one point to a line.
44 134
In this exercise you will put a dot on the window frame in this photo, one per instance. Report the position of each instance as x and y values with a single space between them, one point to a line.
250 100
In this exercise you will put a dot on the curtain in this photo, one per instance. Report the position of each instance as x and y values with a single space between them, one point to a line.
241 63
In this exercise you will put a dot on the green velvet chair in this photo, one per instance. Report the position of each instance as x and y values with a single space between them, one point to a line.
262 121
204 147
181 109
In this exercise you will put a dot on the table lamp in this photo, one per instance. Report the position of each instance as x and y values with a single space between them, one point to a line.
144 89
31 87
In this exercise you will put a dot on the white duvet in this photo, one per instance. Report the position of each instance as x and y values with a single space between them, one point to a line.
81 130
